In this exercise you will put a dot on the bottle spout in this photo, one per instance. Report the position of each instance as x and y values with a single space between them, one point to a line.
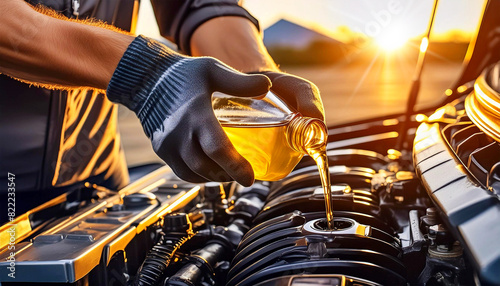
306 133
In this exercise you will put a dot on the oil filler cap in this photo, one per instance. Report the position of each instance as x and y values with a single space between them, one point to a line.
139 200
176 223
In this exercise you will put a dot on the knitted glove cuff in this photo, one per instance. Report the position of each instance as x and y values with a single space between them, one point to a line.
138 71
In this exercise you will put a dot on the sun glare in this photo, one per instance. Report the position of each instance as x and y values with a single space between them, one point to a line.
392 40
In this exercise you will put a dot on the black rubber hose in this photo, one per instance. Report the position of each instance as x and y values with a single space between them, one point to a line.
201 263
158 259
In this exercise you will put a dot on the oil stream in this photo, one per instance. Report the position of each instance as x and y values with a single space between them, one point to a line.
319 156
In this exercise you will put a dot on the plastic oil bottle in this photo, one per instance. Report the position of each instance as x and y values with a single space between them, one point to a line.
273 137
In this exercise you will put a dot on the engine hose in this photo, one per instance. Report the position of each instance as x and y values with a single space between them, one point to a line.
201 263
158 259
204 260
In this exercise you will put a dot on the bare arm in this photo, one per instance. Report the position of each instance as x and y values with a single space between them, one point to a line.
54 52
235 41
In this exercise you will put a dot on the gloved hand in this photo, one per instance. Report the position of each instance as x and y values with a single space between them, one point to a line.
171 95
298 92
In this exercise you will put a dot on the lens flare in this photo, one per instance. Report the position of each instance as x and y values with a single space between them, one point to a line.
392 40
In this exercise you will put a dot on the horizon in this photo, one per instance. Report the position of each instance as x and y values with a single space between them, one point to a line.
455 21
374 19
451 36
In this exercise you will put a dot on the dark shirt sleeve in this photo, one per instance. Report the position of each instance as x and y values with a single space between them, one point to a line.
178 19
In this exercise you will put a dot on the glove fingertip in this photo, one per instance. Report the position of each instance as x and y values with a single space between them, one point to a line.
262 86
239 84
246 180
246 184
253 86
242 171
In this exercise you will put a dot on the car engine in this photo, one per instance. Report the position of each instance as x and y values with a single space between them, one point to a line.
421 209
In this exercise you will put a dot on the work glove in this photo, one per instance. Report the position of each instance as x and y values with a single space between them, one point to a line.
171 95
297 92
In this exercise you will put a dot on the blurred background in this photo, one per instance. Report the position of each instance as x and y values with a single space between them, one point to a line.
360 53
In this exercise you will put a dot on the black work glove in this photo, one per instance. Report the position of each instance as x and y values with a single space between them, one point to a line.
298 92
171 95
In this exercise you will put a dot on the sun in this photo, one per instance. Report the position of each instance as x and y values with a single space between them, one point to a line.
392 40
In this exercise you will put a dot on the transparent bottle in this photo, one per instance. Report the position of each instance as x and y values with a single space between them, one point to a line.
268 133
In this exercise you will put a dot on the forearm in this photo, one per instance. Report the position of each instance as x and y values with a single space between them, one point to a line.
235 41
56 52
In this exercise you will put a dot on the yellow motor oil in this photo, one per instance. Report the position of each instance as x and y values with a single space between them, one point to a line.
266 148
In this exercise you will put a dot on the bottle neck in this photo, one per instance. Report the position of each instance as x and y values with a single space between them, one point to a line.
306 133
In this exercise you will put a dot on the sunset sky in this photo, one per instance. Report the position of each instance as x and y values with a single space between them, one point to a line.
388 18
404 18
